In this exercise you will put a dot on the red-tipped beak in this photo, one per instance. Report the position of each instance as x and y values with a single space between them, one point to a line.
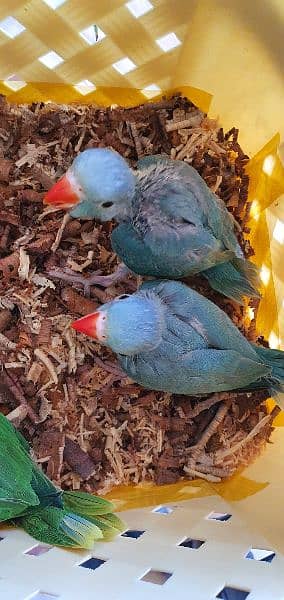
62 194
88 325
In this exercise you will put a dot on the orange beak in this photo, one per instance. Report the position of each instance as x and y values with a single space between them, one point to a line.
87 325
62 195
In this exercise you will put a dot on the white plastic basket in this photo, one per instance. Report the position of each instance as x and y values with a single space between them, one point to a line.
233 50
199 549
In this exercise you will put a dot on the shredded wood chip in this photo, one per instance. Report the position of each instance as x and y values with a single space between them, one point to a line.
17 415
43 282
200 475
24 266
6 343
34 372
47 363
59 234
65 386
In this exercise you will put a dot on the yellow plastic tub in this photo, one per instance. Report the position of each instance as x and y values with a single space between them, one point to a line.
227 57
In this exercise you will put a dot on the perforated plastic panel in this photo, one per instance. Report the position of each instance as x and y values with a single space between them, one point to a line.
175 551
198 549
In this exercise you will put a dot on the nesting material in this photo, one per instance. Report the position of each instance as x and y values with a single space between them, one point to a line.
89 425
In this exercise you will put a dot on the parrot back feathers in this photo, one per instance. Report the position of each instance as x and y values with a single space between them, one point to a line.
179 227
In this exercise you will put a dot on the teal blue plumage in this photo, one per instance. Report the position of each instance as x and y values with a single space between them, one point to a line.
168 337
179 228
171 225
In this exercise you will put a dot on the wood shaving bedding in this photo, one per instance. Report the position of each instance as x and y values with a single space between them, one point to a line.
90 426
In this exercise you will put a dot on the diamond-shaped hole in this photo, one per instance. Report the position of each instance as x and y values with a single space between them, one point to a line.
163 510
11 27
14 83
230 593
191 543
152 90
54 4
92 563
168 42
91 35
139 7
260 555
216 516
156 577
51 59
133 533
38 550
43 596
85 87
1 539
125 65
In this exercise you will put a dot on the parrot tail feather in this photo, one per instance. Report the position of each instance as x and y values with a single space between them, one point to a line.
81 531
234 279
86 504
57 527
110 525
95 509
275 360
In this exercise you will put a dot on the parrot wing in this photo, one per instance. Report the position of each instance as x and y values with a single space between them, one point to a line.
41 485
222 369
163 250
202 315
189 197
16 467
132 250
201 371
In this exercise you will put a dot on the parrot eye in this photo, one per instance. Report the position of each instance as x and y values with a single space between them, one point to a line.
123 296
107 204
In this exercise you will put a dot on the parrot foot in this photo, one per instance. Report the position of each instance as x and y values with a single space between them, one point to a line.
95 279
106 281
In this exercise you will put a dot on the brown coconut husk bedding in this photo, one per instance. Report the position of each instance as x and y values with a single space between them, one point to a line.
89 425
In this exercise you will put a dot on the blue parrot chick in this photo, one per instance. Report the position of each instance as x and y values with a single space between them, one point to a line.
168 337
171 225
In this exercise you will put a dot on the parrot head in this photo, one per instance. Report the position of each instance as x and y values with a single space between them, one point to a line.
98 185
128 324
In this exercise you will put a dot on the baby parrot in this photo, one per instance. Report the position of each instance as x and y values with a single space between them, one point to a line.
171 225
30 500
168 337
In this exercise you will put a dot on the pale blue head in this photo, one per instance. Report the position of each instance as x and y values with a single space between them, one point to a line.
99 184
128 325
